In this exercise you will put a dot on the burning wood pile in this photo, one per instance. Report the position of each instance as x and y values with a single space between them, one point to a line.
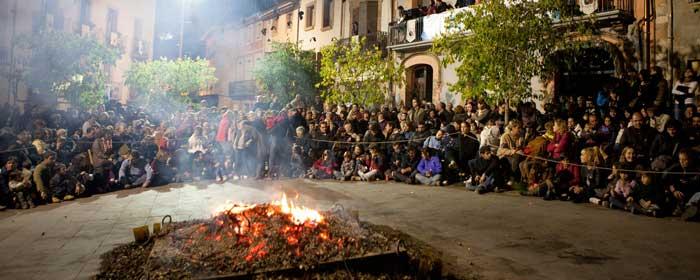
276 238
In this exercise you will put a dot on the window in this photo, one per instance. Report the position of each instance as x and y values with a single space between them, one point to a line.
84 11
112 20
138 29
289 21
309 16
327 13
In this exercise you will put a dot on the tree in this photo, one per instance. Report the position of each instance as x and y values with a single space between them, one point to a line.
357 73
68 65
500 45
286 72
166 81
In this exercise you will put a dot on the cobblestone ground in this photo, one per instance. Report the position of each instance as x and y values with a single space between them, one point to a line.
493 236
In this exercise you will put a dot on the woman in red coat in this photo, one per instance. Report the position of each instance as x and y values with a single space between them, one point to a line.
560 146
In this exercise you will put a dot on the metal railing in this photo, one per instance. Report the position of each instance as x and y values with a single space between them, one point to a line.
626 6
405 32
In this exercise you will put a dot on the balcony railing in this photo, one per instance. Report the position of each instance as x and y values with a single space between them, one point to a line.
603 6
425 28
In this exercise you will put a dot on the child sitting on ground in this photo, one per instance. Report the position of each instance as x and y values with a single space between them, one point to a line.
650 196
347 168
566 178
621 196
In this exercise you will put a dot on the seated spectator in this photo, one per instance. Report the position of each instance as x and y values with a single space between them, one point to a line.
650 196
668 143
373 165
565 183
21 189
510 148
347 167
485 172
490 135
467 147
622 195
323 167
591 179
683 183
42 177
638 136
561 145
429 169
135 171
64 186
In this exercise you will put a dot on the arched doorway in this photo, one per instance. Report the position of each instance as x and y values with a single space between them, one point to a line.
423 78
419 83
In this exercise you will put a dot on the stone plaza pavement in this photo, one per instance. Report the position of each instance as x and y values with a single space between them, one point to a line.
492 236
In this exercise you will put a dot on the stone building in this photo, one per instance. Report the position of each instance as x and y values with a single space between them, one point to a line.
632 36
127 24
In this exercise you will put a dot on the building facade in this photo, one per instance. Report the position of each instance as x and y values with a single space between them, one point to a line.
632 35
128 25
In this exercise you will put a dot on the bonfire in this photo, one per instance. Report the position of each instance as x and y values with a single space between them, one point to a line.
277 238
276 235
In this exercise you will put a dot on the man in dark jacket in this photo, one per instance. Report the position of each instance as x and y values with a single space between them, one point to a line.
467 146
639 136
668 143
682 181
484 170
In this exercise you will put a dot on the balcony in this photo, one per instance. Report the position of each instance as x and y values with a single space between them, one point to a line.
419 33
605 12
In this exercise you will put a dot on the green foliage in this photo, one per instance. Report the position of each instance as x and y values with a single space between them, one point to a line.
500 45
68 65
355 73
169 80
286 72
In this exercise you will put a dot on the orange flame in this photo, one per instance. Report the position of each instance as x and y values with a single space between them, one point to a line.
300 215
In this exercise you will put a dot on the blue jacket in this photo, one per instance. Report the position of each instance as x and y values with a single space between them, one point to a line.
433 165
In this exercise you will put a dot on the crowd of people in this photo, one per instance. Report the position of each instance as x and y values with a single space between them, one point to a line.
633 146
